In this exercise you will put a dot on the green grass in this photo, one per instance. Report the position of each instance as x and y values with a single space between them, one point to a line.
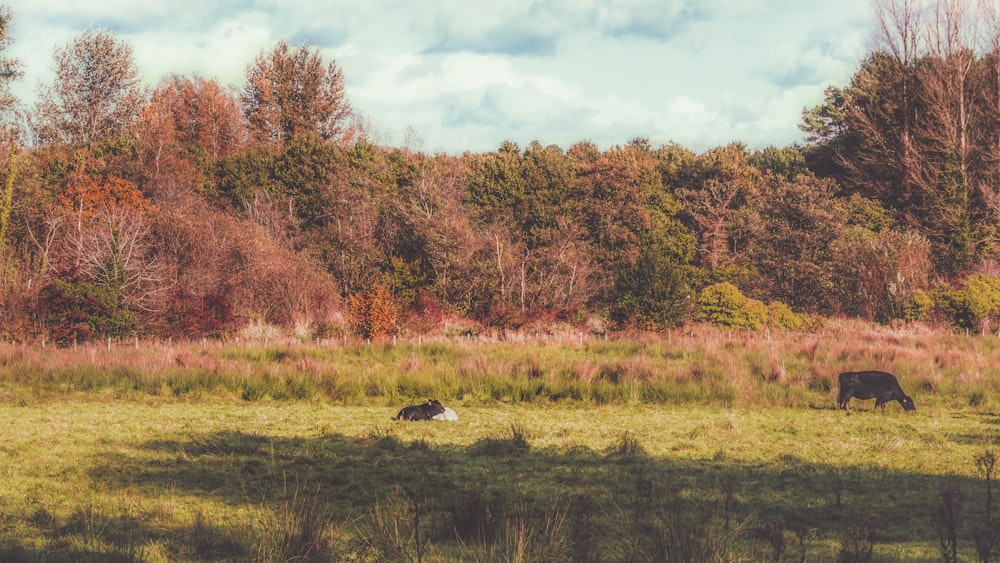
229 480
698 445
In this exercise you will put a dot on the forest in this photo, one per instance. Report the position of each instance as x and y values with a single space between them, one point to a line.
195 210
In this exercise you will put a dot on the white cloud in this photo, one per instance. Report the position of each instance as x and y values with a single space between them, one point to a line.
467 76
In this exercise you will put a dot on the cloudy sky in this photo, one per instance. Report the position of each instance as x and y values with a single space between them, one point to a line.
457 75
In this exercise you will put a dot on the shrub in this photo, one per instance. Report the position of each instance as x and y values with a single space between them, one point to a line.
974 305
81 311
918 306
373 313
723 304
189 315
781 316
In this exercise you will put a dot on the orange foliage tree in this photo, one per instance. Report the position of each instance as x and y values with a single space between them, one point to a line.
373 313
89 199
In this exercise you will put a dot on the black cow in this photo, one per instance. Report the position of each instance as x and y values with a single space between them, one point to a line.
426 411
880 385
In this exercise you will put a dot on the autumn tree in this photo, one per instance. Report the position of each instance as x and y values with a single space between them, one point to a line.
189 124
435 239
916 126
96 94
289 91
195 245
790 256
881 271
868 128
946 134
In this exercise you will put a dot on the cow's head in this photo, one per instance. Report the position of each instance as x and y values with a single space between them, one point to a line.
907 404
434 406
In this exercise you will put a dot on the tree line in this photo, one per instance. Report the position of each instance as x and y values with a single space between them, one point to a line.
192 210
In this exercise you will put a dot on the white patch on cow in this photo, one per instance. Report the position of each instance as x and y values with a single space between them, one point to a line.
448 414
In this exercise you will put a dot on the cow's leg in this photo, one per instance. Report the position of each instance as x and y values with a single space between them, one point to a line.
844 398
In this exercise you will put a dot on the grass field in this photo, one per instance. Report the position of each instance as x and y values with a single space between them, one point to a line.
697 447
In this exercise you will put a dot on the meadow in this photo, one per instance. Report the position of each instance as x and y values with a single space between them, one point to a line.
691 445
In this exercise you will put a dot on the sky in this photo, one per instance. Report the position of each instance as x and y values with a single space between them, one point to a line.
449 76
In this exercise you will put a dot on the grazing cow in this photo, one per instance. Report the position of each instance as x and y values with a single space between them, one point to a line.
426 411
448 414
880 385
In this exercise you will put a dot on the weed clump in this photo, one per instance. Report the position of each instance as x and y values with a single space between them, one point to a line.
513 443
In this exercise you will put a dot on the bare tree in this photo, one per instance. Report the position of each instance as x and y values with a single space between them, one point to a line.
880 105
115 250
988 140
111 243
96 94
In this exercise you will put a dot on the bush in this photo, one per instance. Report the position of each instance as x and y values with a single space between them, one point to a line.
373 313
918 306
781 316
723 304
191 316
975 305
81 311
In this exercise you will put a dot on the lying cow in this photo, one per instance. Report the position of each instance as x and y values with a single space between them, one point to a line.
880 385
426 411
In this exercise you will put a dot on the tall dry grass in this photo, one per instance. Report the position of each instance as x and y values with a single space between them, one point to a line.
696 364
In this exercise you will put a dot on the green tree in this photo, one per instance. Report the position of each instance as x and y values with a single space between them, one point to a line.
787 162
7 203
496 185
304 171
10 70
243 177
827 135
655 294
